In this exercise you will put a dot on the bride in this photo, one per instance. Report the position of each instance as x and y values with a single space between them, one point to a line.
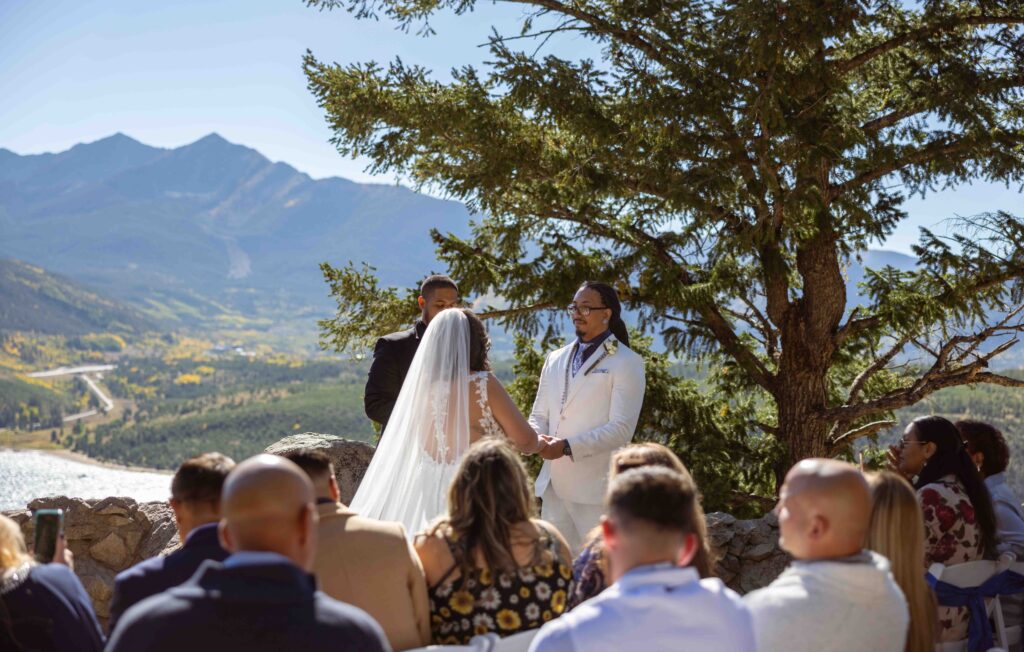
449 400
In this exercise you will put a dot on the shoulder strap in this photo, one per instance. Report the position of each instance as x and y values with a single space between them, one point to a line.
549 540
456 552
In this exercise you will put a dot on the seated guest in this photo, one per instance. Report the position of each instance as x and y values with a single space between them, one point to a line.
897 533
959 521
262 597
835 595
490 567
590 569
43 607
195 501
364 562
991 455
656 604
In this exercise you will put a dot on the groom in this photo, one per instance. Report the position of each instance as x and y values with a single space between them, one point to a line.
587 404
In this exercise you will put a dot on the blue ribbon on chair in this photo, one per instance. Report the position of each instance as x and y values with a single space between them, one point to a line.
979 633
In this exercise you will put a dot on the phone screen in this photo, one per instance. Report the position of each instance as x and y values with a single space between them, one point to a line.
49 523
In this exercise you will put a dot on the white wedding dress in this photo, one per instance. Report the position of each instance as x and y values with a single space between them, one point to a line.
429 430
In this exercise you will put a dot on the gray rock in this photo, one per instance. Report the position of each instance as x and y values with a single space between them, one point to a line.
350 458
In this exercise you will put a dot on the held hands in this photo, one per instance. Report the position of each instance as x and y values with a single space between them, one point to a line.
554 447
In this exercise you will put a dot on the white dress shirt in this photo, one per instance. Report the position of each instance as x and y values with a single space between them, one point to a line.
1009 517
654 609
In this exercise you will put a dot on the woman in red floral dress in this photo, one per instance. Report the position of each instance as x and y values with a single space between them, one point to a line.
959 519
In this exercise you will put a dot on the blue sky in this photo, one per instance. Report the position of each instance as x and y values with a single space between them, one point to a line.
170 73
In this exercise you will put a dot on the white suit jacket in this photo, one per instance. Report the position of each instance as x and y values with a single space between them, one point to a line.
599 416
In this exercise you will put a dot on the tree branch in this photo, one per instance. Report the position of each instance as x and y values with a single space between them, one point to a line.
512 312
863 431
940 375
846 65
876 366
924 154
602 26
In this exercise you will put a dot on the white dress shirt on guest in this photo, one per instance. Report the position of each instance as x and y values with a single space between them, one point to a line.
654 608
1009 517
843 604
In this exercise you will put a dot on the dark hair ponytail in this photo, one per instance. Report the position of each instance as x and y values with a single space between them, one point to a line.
951 457
610 298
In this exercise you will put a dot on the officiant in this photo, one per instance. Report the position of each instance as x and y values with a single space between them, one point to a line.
393 353
587 406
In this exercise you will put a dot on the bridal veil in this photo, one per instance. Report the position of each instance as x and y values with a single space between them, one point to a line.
427 434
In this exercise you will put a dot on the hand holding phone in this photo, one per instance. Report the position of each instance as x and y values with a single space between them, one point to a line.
49 530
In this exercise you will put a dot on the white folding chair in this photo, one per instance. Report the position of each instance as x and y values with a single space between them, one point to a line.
967 575
1011 630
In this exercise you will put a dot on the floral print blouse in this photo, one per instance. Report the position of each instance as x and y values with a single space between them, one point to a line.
588 573
951 536
504 603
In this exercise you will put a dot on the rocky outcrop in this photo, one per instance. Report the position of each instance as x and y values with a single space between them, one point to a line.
109 535
748 551
350 458
106 536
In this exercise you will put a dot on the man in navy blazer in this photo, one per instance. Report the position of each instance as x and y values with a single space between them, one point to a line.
262 597
195 499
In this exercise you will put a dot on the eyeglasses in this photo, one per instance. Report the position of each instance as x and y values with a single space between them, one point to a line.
904 441
584 311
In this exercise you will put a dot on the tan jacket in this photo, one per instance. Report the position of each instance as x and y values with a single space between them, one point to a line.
372 565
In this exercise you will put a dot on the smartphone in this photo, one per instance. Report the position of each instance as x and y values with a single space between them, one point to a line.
49 525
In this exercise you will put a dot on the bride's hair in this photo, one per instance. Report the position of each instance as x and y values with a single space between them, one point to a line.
479 342
489 495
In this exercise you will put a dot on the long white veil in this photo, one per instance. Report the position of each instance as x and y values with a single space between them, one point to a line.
427 434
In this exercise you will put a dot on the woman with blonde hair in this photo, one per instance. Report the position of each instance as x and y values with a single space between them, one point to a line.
897 533
590 569
43 607
491 566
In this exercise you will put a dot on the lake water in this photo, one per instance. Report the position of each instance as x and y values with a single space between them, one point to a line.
25 475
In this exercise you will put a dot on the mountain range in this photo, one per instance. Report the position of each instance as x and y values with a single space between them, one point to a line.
211 234
210 228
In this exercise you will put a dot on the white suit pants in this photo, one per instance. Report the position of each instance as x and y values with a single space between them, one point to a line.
573 520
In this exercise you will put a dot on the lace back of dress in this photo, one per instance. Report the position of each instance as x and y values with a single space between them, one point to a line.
487 424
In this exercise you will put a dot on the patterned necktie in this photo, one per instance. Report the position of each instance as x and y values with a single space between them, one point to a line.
577 361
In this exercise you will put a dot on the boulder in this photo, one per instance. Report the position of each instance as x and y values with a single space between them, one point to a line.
350 458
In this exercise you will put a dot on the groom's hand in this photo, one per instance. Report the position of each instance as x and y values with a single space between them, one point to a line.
554 448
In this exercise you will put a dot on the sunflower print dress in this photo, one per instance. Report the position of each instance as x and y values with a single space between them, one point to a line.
503 603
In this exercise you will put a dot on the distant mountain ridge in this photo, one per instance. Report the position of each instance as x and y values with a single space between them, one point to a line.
210 223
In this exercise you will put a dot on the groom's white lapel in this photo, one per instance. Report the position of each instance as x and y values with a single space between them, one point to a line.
577 381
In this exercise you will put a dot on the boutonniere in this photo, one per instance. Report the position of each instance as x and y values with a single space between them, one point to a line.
611 345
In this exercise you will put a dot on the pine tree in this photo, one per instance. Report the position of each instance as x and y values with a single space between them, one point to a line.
722 164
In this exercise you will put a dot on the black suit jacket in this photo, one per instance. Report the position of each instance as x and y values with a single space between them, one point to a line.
265 606
158 574
391 359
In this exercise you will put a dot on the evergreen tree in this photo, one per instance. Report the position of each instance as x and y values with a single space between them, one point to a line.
722 163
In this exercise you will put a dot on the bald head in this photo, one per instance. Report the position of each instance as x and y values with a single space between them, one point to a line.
824 510
267 504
